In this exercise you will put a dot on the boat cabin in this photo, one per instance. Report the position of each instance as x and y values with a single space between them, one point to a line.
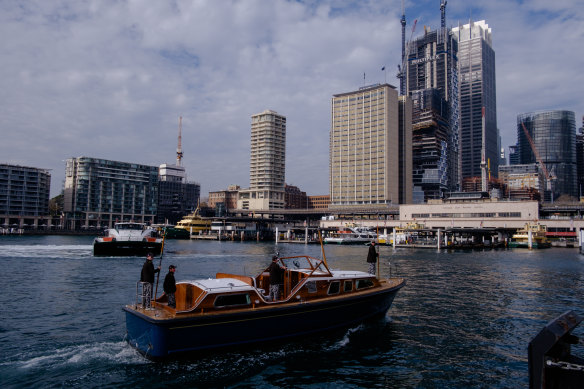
305 279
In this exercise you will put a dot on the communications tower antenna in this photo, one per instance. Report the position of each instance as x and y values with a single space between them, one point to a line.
179 152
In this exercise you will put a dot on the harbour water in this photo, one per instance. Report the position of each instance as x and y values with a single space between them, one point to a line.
463 320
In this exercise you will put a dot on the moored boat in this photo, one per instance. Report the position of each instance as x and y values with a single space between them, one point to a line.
194 224
127 239
351 235
234 309
533 234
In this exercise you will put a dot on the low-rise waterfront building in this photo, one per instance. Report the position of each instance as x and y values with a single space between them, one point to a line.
100 192
294 198
24 196
319 202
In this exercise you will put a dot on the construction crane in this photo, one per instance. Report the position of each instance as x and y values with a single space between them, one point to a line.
484 183
179 152
549 177
401 69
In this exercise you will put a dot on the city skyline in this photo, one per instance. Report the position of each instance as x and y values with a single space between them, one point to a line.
109 80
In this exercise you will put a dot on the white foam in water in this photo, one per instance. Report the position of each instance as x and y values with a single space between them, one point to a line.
21 251
346 339
118 352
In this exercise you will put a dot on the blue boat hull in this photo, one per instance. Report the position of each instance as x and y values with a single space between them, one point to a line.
161 338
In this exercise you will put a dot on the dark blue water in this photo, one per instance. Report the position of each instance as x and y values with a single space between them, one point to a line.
463 320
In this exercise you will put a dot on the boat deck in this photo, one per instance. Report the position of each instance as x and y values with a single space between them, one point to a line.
161 312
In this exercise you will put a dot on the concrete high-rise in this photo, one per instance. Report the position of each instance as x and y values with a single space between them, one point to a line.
554 135
477 89
370 148
267 163
432 65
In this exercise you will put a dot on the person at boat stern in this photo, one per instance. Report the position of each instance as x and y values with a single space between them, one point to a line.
276 278
372 256
147 277
170 286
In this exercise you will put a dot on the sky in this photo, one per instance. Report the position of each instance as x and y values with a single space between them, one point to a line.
110 78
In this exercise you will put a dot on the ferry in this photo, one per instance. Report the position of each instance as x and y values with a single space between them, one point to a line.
539 238
231 309
128 238
195 224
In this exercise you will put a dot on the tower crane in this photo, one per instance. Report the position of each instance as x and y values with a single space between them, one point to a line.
549 177
179 152
401 69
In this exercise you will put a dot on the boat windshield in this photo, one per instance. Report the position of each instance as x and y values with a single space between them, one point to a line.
304 263
129 226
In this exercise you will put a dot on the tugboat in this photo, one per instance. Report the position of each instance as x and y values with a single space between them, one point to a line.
233 309
128 239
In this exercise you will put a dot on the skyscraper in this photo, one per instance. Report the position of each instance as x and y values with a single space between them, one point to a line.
476 79
432 64
554 136
267 163
370 148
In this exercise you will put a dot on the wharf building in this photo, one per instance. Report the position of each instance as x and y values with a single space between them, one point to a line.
370 148
100 192
477 89
432 68
24 197
176 196
267 163
553 134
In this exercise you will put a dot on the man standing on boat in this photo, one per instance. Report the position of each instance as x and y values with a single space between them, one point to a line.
276 278
147 277
372 256
170 286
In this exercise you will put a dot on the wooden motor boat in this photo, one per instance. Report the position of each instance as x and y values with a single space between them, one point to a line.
234 309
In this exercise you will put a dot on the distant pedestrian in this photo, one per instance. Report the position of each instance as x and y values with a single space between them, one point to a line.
147 276
372 257
170 286
276 278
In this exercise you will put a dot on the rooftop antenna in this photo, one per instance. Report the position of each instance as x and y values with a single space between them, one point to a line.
179 153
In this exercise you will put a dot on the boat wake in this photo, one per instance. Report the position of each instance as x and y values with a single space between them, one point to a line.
47 251
88 354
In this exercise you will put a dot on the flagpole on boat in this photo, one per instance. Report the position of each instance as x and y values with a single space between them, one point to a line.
322 247
159 265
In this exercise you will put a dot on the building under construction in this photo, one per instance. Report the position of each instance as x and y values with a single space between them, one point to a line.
431 73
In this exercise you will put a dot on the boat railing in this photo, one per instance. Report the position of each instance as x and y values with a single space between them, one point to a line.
143 295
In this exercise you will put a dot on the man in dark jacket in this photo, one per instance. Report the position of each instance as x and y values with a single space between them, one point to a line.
147 276
276 278
372 256
170 286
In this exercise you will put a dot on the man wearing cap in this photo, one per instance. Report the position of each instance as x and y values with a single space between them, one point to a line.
276 278
147 276
170 286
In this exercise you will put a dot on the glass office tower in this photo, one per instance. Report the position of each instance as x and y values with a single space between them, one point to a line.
477 86
554 137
